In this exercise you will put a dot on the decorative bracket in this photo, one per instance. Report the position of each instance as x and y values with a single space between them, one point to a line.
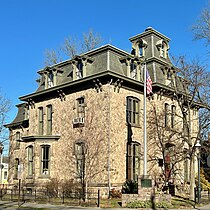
31 103
61 95
98 85
118 85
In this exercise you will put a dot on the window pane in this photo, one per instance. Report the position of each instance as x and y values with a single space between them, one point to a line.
30 153
129 104
49 119
45 159
41 124
132 111
30 168
137 106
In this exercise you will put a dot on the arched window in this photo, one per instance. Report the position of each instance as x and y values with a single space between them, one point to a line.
163 48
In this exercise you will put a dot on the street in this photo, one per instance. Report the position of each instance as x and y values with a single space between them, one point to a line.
10 205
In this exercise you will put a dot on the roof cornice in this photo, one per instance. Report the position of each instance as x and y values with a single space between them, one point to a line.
149 31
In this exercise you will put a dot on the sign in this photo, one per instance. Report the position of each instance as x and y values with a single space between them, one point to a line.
20 171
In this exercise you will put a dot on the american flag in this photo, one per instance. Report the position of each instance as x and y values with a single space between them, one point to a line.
149 84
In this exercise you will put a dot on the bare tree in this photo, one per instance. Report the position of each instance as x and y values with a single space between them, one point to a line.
165 145
194 79
5 106
202 28
52 57
72 46
90 41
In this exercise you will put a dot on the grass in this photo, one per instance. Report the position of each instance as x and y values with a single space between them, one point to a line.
110 203
181 202
176 202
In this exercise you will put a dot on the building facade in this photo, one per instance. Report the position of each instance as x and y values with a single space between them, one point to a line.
85 120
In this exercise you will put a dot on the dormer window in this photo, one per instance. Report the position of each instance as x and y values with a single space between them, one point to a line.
26 113
138 48
142 46
141 50
168 75
50 80
163 48
79 71
50 77
133 70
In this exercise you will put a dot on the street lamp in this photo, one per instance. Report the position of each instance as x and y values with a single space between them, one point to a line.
198 145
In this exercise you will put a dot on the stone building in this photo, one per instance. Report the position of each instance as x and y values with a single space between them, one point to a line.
85 120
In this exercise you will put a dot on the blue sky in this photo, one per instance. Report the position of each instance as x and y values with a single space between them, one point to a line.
29 27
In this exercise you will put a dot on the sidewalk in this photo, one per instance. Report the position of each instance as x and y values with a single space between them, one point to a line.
10 205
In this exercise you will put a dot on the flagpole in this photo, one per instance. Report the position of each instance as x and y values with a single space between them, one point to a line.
145 121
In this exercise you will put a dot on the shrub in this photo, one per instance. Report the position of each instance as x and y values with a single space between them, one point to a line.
71 189
147 204
52 188
115 193
130 187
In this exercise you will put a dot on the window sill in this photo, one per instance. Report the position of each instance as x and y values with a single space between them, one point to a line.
133 125
43 176
30 177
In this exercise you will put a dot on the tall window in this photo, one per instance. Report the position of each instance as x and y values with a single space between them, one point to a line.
81 107
132 111
16 166
41 121
166 115
45 159
17 138
173 114
133 161
80 158
30 161
49 119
